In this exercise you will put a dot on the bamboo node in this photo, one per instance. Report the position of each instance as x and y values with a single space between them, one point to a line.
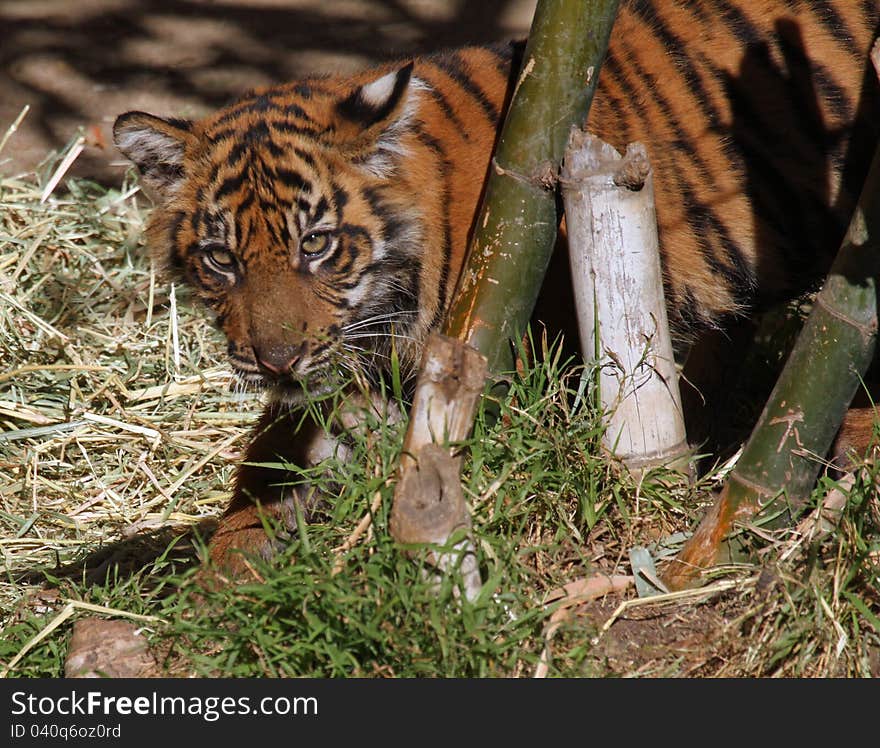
766 495
545 175
867 329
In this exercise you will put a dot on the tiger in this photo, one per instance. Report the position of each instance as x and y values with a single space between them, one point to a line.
324 221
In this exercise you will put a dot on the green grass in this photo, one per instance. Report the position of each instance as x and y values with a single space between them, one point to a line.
529 479
534 482
120 428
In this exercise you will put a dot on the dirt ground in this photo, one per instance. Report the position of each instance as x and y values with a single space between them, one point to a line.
80 63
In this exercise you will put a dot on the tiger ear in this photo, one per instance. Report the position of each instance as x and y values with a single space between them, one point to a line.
374 116
156 146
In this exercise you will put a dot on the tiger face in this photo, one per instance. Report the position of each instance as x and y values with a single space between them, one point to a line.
291 216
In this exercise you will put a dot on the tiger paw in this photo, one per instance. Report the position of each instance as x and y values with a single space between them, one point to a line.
232 553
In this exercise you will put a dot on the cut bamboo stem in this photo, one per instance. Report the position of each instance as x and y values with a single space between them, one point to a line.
618 287
429 506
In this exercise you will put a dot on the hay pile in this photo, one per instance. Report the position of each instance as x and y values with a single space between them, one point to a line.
118 412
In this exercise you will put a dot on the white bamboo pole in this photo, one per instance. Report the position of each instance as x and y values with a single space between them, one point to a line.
615 261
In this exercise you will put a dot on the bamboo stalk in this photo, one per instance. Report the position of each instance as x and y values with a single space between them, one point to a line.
783 456
508 257
516 226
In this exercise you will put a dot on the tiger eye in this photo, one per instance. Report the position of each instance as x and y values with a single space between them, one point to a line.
314 243
221 258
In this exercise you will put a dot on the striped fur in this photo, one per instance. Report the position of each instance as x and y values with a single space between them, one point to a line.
323 219
760 119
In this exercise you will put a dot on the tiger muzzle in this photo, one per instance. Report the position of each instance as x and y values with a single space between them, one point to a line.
280 360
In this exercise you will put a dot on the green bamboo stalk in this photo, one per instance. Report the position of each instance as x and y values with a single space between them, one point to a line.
507 261
782 458
518 218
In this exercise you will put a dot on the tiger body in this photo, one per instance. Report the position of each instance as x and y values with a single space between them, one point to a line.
325 221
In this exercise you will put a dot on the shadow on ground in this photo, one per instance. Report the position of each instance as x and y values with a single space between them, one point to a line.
79 64
174 549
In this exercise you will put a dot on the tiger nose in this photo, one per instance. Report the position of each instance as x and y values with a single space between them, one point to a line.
279 360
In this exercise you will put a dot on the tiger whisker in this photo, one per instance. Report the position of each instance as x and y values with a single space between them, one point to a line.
363 353
387 315
380 335
378 319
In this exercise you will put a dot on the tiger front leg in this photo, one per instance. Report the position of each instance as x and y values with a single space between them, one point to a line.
261 516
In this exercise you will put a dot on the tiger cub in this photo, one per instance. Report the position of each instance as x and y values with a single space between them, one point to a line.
325 220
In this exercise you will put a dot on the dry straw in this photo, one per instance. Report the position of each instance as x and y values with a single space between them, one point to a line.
115 413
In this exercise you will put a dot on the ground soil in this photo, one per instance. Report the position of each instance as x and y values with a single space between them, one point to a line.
80 64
